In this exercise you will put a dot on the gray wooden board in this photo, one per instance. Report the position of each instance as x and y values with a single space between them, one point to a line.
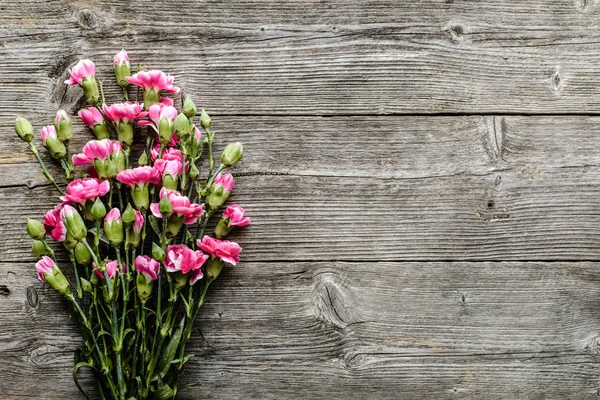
350 330
364 272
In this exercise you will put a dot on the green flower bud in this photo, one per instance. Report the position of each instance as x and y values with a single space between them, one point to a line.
232 154
150 97
216 198
24 129
189 108
205 120
128 217
122 71
165 206
90 90
139 195
74 223
86 285
55 147
182 126
213 268
58 281
157 252
63 126
98 209
194 173
40 248
125 133
143 160
82 254
113 227
36 229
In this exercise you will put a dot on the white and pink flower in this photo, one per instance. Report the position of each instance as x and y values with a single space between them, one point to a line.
235 215
140 176
91 117
96 149
124 112
55 228
148 267
45 266
154 80
223 249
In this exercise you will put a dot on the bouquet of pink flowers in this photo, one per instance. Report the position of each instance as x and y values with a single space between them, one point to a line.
135 236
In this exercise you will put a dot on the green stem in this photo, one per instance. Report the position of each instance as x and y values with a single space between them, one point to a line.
49 177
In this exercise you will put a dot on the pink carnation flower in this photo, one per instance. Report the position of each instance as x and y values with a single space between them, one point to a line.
224 249
236 216
111 269
83 69
121 57
138 223
180 258
168 167
48 132
97 149
60 116
91 117
169 153
124 112
156 112
55 228
148 267
113 215
156 80
82 190
140 176
181 206
225 180
45 266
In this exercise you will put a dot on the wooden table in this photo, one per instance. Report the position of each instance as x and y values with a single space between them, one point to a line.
423 179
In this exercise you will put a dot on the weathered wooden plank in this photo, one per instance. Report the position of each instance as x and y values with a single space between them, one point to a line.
320 57
391 188
350 330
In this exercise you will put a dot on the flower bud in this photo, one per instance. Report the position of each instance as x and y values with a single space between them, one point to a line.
143 160
82 254
128 216
189 108
157 252
63 126
164 206
86 285
122 68
113 227
205 120
36 229
73 222
41 248
232 154
194 173
90 90
24 129
101 131
50 141
49 272
182 126
98 209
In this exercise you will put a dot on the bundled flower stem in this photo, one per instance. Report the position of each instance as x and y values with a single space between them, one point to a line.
140 275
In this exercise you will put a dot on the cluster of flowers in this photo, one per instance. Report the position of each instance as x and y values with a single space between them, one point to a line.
135 291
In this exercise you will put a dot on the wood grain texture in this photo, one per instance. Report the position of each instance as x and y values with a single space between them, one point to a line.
320 57
393 188
392 148
349 330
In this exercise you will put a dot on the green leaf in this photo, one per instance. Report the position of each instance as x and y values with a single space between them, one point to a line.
75 370
169 353
154 224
